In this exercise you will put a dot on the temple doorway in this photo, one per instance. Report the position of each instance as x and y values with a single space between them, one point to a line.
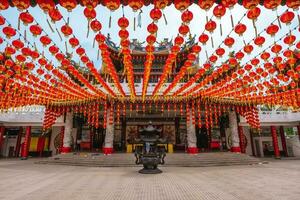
202 138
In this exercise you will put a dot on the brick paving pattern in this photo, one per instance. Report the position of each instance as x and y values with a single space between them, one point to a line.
24 180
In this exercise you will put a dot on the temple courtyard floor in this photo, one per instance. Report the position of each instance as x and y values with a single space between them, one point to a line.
24 180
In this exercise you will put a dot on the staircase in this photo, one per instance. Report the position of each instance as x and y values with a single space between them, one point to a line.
172 160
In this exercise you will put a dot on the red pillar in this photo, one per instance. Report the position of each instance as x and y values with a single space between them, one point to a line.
2 131
275 142
26 145
283 141
18 143
242 139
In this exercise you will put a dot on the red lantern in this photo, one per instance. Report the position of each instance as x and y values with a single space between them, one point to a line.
161 4
90 4
151 39
2 20
203 38
112 4
239 55
66 30
276 48
181 4
240 29
272 4
196 49
206 4
187 16
249 4
183 29
89 13
21 4
294 4
9 31
96 26
287 17
35 30
4 4
53 49
155 14
55 15
45 40
259 41
74 42
219 11
265 56
152 28
289 40
135 4
272 29
26 18
46 5
9 51
123 34
253 13
68 4
229 41
100 38
178 40
220 52
18 44
228 3
210 26
123 22
248 49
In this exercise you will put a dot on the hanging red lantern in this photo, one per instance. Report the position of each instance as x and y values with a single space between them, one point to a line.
161 4
89 13
219 11
90 4
45 40
100 38
294 4
123 34
18 44
272 29
181 5
272 4
66 30
9 51
265 56
183 29
186 16
248 48
210 26
203 38
287 17
239 55
4 4
68 4
21 4
240 29
289 39
123 22
152 28
135 4
35 30
196 49
96 26
151 39
206 4
259 41
112 4
53 49
74 42
55 15
228 3
229 41
213 58
155 14
276 48
178 40
220 52
249 4
9 31
26 18
46 5
2 20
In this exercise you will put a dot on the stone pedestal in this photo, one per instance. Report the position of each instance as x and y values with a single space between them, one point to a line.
67 140
109 135
191 135
26 144
233 126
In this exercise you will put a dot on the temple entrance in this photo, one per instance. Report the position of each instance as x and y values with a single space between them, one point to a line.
202 139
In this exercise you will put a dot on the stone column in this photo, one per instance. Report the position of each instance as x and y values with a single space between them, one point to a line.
67 140
2 132
233 126
283 141
242 139
275 142
108 147
26 144
191 135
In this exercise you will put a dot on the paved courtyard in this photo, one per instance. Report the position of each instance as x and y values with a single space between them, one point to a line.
23 180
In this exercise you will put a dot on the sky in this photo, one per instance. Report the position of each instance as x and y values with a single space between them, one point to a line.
79 24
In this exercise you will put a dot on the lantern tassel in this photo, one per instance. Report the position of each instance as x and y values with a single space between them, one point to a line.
88 29
109 22
231 18
19 23
212 42
134 23
279 23
66 47
94 41
50 26
221 30
206 18
165 18
298 19
59 34
98 54
25 35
